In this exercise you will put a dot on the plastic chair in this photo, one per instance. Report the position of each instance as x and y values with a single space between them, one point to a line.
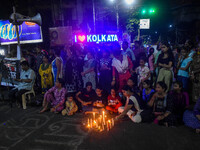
29 96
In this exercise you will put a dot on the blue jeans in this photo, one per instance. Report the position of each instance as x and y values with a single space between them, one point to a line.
184 80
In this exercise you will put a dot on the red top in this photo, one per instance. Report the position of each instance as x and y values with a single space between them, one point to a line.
113 101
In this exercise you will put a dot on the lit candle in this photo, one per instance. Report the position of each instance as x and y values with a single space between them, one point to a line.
107 126
113 122
104 118
94 115
109 123
91 123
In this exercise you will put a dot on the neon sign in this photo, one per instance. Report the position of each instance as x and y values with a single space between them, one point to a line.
96 38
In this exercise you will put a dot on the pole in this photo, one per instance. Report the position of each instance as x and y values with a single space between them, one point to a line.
94 16
61 12
117 16
17 31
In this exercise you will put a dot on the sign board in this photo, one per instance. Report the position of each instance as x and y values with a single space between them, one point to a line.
60 36
28 33
144 23
96 38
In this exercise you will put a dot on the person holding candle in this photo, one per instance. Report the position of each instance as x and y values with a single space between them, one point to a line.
85 97
132 108
100 99
114 101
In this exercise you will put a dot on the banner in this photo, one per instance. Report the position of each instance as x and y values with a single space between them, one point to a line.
28 33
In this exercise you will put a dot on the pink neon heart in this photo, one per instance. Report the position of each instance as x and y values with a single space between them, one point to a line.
81 38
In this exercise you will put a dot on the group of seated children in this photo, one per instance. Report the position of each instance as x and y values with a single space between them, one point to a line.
149 105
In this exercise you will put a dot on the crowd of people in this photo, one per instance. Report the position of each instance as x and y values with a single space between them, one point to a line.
147 84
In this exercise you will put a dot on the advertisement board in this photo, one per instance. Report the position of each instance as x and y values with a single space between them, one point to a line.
28 33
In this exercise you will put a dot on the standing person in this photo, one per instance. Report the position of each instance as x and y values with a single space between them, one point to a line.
51 55
139 52
46 75
57 66
132 108
55 96
88 73
165 63
26 81
151 62
39 60
105 71
122 66
143 72
192 118
156 55
127 51
72 74
195 75
183 68
189 44
114 101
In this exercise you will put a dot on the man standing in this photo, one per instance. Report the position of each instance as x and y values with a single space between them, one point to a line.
26 81
127 51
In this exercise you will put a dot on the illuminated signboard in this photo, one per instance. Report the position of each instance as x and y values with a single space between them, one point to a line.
96 38
28 33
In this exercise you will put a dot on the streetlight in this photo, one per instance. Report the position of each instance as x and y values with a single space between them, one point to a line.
129 2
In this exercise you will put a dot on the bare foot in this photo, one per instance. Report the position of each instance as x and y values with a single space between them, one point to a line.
43 110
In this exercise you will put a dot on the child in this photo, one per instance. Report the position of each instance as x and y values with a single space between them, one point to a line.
71 106
183 68
147 92
114 101
143 72
132 107
179 100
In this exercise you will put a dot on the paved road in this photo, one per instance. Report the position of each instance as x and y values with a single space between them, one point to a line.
28 130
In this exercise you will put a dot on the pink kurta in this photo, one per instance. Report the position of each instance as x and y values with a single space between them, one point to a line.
55 97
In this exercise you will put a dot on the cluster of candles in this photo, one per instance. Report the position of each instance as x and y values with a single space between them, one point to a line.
100 123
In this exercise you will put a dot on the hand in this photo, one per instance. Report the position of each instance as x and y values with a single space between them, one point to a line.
117 118
113 82
160 117
18 80
53 109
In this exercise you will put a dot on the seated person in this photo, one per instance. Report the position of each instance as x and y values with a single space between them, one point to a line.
55 96
161 107
132 108
147 92
26 81
100 99
114 101
192 118
179 100
85 97
71 106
